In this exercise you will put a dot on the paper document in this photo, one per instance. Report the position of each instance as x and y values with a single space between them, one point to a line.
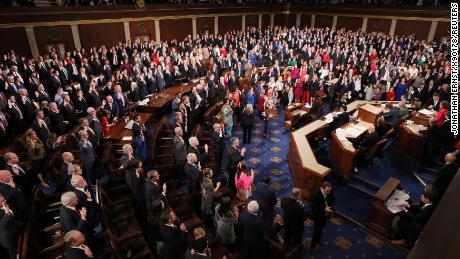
127 138
396 199
129 125
427 112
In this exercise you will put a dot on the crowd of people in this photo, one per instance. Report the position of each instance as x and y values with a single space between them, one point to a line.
88 90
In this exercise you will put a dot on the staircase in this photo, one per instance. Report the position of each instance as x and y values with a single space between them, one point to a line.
364 186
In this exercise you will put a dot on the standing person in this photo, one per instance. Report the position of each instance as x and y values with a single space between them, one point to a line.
225 219
234 156
88 156
228 115
243 181
266 197
10 228
140 146
247 123
218 143
252 229
37 154
294 217
208 193
322 205
180 150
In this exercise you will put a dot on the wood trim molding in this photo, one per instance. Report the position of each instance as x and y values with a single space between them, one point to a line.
32 41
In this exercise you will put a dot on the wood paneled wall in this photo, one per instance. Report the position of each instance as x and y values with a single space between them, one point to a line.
204 24
53 34
380 25
175 29
442 30
140 28
98 34
305 20
287 20
265 21
14 39
229 23
252 21
323 21
419 28
349 23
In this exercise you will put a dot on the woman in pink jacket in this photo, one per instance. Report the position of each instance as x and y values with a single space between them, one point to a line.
243 181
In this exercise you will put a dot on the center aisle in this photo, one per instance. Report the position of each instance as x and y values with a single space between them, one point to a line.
341 239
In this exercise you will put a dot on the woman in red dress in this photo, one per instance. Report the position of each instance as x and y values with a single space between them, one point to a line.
298 90
261 101
441 114
105 125
390 94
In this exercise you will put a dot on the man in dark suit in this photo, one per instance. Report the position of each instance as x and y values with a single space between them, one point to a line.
56 120
40 127
95 124
88 156
218 142
234 156
251 231
444 176
70 217
17 117
67 161
180 150
391 115
193 175
20 177
120 99
369 140
153 191
13 195
160 79
174 238
10 228
342 119
112 106
413 219
76 248
294 217
266 197
322 205
433 103
26 106
193 147
85 200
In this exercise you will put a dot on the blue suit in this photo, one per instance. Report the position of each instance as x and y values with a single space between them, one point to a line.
115 111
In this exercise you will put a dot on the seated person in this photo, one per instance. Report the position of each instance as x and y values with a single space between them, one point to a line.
341 119
433 103
413 219
391 114
382 126
369 140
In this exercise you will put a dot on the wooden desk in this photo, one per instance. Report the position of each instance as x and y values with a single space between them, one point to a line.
164 98
369 113
291 110
410 141
380 218
342 154
118 131
421 119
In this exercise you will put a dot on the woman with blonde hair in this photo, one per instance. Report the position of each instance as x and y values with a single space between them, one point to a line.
36 152
228 117
243 181
247 123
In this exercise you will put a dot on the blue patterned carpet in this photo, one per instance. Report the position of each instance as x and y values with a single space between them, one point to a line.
342 238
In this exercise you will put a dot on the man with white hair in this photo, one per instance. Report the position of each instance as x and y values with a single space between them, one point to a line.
94 123
180 150
20 176
88 155
127 156
85 198
113 107
76 248
13 196
194 148
70 217
10 229
67 160
218 142
252 229
192 174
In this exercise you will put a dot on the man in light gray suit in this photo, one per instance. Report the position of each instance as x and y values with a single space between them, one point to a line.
180 150
88 156
160 79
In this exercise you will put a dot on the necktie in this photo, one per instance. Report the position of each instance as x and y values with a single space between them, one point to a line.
18 110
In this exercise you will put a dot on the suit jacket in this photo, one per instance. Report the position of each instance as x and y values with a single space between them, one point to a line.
92 100
56 123
233 157
152 193
218 144
318 205
14 197
201 156
391 117
160 80
174 242
251 232
75 253
369 141
70 220
42 132
88 155
418 217
21 180
247 120
444 178
115 110
43 96
10 231
180 150
294 216
340 120
266 197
